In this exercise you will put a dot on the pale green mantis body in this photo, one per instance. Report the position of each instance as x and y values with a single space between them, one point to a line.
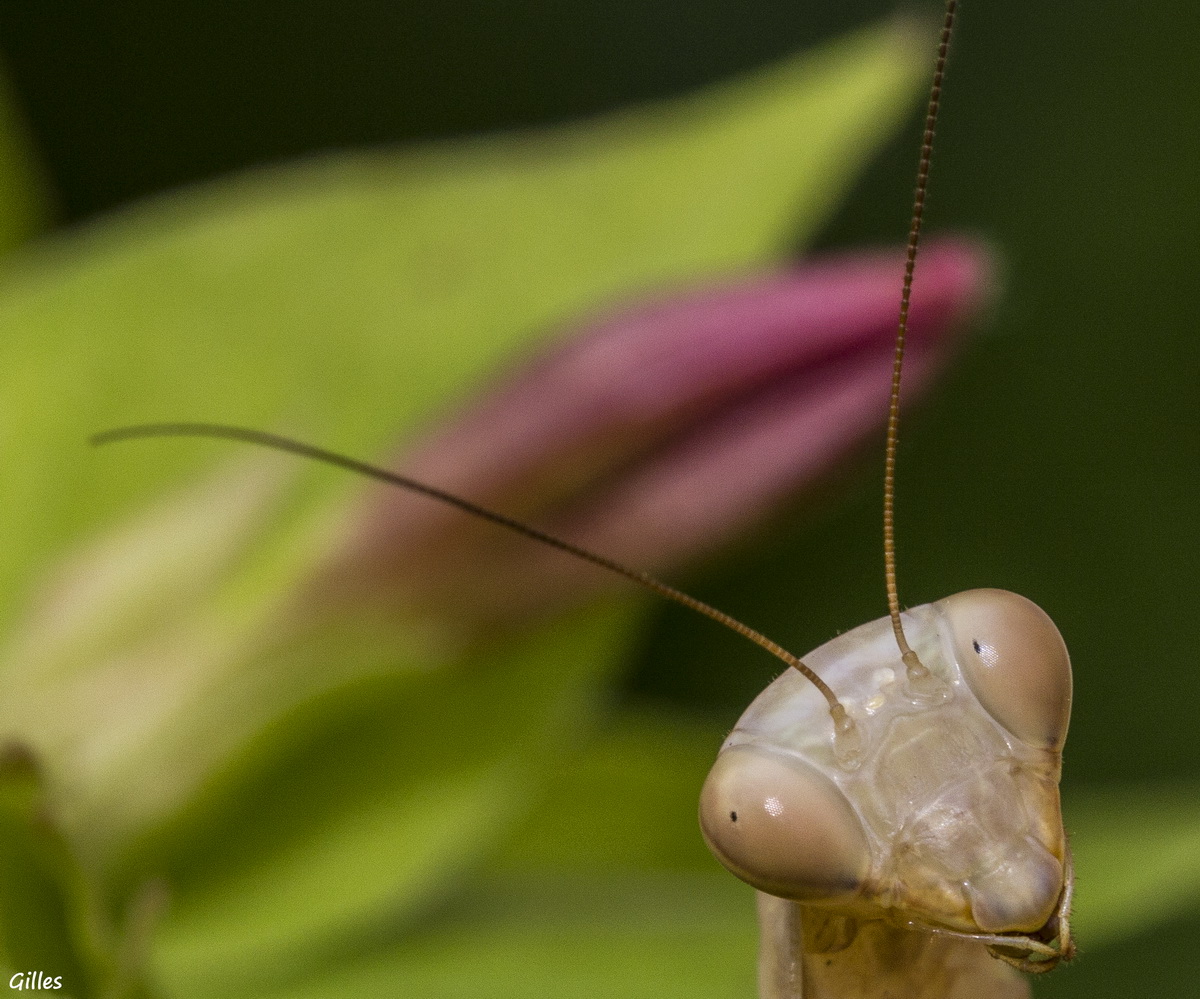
894 796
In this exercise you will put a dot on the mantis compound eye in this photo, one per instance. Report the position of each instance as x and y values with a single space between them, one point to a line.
1015 661
783 827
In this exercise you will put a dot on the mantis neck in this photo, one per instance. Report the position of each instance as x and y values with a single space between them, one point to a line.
807 952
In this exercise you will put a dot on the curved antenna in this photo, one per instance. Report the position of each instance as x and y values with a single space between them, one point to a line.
844 728
917 672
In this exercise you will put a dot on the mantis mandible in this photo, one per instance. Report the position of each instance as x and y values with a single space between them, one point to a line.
894 794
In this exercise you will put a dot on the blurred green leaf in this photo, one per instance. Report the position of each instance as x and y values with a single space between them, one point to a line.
349 299
51 916
625 800
1137 858
362 806
39 885
649 936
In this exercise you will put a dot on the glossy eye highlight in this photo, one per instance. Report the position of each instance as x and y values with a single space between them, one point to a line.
1015 661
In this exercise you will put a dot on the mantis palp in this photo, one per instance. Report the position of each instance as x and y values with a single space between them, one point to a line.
894 794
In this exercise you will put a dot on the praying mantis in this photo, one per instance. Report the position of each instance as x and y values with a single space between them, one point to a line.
1039 466
901 880
893 795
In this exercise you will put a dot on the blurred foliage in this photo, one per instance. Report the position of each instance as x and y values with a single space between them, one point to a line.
23 198
268 781
51 913
1060 461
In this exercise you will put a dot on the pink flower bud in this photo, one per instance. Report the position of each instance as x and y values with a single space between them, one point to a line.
655 433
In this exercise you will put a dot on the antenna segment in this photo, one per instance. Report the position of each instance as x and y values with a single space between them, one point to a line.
847 742
918 674
844 728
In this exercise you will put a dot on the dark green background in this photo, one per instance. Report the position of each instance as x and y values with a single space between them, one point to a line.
1060 459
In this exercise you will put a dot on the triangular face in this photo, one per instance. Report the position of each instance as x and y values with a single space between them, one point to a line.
950 819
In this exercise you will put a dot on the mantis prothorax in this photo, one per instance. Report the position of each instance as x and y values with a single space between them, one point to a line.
893 795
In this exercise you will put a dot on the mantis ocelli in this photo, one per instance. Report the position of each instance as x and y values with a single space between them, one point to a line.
893 795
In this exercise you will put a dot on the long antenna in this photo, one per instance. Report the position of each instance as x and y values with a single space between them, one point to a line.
846 738
917 672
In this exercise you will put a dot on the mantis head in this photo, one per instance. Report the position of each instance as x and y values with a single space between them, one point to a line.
948 819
